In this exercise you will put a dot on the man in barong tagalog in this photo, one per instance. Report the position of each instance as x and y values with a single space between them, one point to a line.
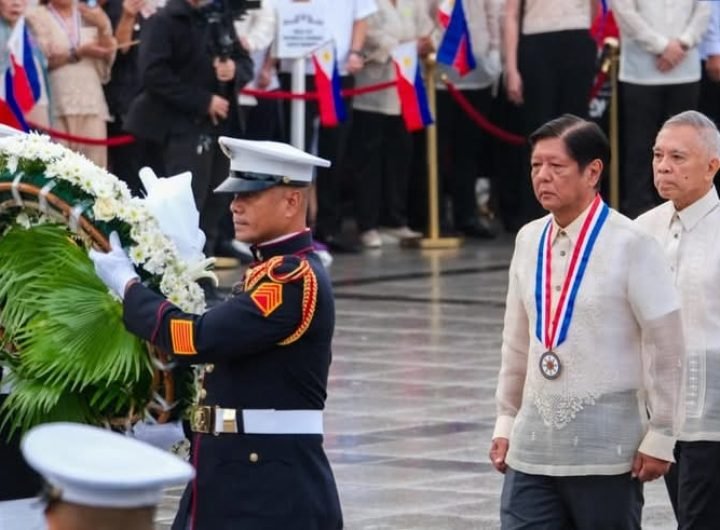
686 157
258 442
592 350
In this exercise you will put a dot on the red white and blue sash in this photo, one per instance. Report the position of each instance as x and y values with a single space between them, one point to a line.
547 326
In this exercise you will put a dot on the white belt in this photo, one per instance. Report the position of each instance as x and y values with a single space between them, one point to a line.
258 421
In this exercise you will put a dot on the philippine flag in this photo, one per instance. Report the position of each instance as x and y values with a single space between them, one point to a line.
327 84
456 46
411 90
20 88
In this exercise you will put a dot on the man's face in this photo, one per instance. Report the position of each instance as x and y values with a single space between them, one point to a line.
264 215
559 184
683 167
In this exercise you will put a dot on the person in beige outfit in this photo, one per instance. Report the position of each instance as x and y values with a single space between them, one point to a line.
383 147
79 45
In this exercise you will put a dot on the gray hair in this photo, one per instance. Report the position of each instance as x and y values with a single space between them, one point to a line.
705 127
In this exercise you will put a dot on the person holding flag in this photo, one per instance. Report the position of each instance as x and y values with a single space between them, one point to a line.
23 92
382 142
592 354
467 36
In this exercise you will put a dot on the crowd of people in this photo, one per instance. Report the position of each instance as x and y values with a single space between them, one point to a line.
153 69
608 352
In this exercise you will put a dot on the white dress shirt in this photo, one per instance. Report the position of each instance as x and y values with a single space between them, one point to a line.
691 240
646 28
710 44
591 420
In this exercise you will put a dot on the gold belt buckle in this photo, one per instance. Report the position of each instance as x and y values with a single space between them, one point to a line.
201 419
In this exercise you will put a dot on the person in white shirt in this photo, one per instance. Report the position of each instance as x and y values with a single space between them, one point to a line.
585 415
710 54
347 23
686 157
660 75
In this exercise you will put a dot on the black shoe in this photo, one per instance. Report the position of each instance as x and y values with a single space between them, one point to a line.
479 229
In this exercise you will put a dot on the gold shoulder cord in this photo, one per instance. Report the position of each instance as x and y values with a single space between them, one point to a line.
310 289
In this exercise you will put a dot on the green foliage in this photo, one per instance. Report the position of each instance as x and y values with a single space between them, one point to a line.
76 361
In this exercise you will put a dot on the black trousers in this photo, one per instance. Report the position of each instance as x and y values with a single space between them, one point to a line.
382 152
644 109
125 161
555 82
19 480
201 155
592 502
693 485
332 144
463 150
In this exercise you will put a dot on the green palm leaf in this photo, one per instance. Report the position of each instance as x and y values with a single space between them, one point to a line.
76 361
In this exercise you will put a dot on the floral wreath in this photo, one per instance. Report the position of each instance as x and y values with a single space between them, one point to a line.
61 331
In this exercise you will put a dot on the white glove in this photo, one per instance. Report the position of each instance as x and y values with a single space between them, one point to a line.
114 268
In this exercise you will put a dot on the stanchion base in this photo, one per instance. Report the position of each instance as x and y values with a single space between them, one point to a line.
433 243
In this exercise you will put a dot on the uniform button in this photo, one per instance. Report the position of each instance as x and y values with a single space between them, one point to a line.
557 288
209 368
561 233
203 393
562 253
676 236
254 457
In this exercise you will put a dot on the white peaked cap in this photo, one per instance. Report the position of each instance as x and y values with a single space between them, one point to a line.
96 467
257 165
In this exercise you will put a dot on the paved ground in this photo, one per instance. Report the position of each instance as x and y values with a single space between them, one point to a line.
410 409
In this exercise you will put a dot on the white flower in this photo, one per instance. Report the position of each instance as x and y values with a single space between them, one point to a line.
105 209
151 250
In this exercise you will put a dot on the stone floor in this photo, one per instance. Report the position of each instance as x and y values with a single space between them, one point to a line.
410 408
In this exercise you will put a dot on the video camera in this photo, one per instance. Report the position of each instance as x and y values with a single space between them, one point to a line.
220 15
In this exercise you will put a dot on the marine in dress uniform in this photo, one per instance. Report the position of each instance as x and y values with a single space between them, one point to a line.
97 479
265 355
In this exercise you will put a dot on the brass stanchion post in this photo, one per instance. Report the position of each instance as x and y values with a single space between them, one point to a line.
433 241
613 59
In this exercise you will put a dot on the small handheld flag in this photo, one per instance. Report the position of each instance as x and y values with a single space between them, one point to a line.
20 87
456 46
411 91
327 84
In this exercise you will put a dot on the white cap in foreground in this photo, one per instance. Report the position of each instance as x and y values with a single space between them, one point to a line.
95 467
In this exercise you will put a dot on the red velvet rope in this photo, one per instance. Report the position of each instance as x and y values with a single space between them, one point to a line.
480 120
60 135
308 96
276 94
474 115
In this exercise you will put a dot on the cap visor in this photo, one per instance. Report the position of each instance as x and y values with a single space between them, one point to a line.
240 185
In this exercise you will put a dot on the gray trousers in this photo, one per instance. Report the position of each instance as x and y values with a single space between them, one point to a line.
592 502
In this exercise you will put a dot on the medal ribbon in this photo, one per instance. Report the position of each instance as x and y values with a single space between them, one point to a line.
546 328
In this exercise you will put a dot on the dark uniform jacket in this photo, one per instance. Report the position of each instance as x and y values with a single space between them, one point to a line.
268 347
17 479
178 78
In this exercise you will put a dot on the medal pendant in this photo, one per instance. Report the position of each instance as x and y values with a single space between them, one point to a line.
550 365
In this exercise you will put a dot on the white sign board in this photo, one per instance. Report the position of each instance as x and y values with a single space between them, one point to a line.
301 27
